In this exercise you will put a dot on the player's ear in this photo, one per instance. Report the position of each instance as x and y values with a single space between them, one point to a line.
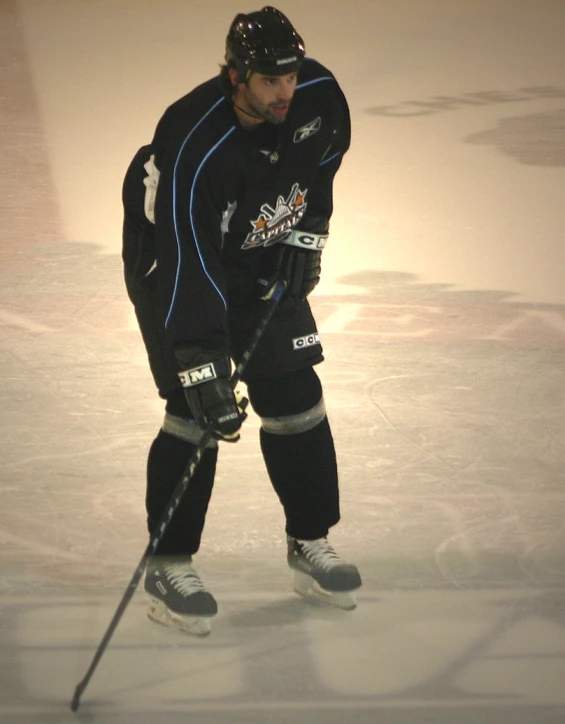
232 72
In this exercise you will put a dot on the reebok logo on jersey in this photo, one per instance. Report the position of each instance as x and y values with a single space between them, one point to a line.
302 342
308 130
272 223
197 375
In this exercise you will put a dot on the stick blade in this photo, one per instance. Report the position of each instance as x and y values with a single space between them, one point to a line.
75 702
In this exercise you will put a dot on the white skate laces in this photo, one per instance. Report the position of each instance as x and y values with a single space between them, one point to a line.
320 574
320 553
178 598
183 578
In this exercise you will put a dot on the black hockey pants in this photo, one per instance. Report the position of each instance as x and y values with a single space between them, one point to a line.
301 465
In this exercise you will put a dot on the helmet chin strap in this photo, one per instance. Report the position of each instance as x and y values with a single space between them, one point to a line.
251 115
255 115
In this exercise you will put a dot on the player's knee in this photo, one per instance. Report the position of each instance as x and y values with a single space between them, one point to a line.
288 404
185 429
295 424
179 421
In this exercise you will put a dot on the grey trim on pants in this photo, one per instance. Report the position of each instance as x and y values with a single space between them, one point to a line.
295 424
185 429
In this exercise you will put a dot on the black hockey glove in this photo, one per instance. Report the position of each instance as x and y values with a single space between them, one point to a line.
298 262
301 270
216 407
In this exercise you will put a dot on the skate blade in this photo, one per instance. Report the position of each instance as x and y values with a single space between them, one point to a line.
308 588
193 625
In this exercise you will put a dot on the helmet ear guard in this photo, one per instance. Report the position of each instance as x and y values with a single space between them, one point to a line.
263 42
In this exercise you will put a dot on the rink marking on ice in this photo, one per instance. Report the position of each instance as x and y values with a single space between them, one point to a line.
346 314
17 320
552 320
339 319
101 600
44 549
446 322
117 444
306 706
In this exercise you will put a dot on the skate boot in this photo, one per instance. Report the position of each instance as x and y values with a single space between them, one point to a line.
178 598
320 574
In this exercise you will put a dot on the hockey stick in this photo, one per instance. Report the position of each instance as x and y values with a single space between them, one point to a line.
173 504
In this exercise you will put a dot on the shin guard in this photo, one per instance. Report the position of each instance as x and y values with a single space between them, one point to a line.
167 461
303 470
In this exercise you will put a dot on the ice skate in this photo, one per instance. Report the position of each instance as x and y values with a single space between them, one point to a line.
177 596
320 575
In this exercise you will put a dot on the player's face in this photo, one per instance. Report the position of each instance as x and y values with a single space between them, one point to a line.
268 96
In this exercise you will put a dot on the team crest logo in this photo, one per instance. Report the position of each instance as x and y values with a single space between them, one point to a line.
273 223
308 130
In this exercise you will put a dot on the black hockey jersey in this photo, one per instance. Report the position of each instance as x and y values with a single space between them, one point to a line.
221 196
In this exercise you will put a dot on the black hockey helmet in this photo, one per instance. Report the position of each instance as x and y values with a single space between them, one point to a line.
263 42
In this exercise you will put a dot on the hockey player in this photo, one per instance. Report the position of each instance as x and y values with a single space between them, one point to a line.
233 193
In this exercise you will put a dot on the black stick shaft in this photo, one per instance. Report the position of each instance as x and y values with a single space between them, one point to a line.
173 504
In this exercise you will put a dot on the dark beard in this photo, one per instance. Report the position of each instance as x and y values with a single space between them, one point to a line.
270 116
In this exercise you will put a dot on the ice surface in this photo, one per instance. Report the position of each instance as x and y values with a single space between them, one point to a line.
442 314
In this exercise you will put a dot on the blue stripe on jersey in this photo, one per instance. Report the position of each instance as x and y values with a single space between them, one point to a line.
210 152
179 250
311 82
331 158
